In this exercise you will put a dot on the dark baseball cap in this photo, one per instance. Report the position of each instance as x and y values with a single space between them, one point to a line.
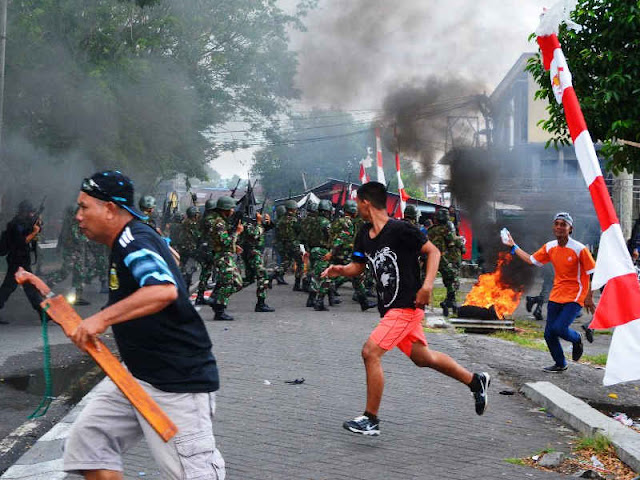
112 186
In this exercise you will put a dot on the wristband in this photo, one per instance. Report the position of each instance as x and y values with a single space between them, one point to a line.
513 249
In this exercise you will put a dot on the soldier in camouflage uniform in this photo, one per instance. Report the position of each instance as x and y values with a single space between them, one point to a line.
451 247
147 205
252 241
319 244
287 238
342 238
366 277
187 242
411 215
205 256
222 244
99 265
75 256
305 228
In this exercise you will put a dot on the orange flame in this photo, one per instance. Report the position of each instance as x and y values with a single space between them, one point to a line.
491 290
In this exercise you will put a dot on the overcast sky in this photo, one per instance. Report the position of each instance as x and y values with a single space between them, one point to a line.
356 50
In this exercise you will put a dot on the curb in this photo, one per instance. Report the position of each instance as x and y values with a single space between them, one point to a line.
43 461
586 419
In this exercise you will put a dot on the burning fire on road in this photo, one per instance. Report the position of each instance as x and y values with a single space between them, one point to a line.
491 297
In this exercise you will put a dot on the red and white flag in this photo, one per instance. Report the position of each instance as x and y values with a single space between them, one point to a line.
364 164
403 195
379 158
619 305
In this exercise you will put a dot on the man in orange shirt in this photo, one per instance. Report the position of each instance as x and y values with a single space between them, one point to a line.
571 290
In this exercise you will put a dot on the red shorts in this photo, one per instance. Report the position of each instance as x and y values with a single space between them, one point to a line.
400 327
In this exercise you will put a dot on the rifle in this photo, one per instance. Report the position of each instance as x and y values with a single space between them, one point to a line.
37 220
233 192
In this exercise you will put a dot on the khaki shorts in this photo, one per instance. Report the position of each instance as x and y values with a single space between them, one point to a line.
109 426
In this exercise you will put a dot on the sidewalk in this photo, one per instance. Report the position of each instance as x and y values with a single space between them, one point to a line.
267 429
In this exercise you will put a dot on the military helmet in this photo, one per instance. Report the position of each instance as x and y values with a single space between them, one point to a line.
312 206
210 205
280 210
325 206
411 211
25 206
291 205
192 212
350 206
226 203
442 216
147 202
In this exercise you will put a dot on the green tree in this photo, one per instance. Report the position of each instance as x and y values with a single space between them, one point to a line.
605 63
139 85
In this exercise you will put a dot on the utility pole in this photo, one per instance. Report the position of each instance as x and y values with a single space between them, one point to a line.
3 42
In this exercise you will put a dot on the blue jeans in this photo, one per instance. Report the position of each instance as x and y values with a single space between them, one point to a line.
559 317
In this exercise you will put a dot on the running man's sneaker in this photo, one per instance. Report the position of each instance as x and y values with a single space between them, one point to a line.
480 396
578 349
554 369
362 425
588 332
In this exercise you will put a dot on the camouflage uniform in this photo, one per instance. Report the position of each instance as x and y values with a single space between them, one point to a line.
288 245
451 248
221 243
305 227
187 242
252 239
320 243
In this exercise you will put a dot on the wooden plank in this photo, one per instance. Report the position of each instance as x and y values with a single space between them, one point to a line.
64 315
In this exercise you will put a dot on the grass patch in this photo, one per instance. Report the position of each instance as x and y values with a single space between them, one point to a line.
434 330
600 359
600 444
438 295
546 450
529 341
515 461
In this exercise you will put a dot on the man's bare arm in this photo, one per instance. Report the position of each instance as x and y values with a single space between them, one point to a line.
353 269
143 302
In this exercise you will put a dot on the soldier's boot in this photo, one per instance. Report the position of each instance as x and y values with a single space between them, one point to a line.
451 303
311 299
219 313
263 307
355 298
365 303
280 279
80 301
270 278
445 308
104 286
200 300
305 284
537 312
370 293
296 285
318 305
332 298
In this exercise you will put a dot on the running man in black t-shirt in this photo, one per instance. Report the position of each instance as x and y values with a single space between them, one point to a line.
392 249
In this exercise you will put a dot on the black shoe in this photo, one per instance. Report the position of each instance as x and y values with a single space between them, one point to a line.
311 299
530 302
554 369
362 425
263 307
445 309
220 315
578 349
305 284
365 303
318 305
200 299
333 300
296 285
537 313
481 397
588 333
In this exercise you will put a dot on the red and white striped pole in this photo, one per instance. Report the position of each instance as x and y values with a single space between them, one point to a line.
379 158
403 195
619 305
